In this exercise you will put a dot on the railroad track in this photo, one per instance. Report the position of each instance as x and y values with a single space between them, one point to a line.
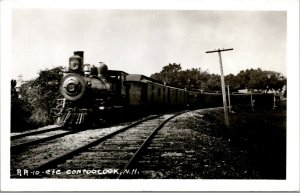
18 136
118 151
24 141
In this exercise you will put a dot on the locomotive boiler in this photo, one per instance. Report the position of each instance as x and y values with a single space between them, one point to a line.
76 86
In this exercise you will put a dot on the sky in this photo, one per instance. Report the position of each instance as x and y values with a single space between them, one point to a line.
143 41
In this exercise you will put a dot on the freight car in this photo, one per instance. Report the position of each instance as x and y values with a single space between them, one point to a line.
145 91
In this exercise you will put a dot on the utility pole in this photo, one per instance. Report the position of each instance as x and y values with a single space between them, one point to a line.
252 102
229 99
223 83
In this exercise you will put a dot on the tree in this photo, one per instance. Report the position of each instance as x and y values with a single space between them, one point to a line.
196 79
173 75
260 80
243 78
213 83
171 68
233 82
275 81
257 79
169 74
20 110
41 94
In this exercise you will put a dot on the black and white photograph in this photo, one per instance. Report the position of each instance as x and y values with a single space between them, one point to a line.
147 97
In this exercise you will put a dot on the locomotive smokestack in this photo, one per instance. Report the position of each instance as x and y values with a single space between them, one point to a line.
81 54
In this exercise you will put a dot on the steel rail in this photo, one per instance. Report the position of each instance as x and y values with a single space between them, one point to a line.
19 147
35 132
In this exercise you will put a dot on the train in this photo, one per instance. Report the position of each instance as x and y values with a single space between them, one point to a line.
90 91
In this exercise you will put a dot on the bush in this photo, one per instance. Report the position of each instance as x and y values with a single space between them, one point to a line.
36 97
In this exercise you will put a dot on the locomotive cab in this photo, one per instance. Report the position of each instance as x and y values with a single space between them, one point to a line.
118 80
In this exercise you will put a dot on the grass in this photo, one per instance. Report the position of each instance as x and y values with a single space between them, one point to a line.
253 147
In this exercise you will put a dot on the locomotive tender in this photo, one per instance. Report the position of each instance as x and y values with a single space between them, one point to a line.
91 91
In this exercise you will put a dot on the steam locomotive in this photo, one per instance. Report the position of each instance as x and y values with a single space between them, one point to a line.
89 91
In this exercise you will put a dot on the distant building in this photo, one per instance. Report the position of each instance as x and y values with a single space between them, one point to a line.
246 90
19 81
243 91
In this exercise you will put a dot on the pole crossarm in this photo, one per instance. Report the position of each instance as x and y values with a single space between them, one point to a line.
218 50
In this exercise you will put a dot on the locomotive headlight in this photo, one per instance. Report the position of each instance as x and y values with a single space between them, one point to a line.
74 64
